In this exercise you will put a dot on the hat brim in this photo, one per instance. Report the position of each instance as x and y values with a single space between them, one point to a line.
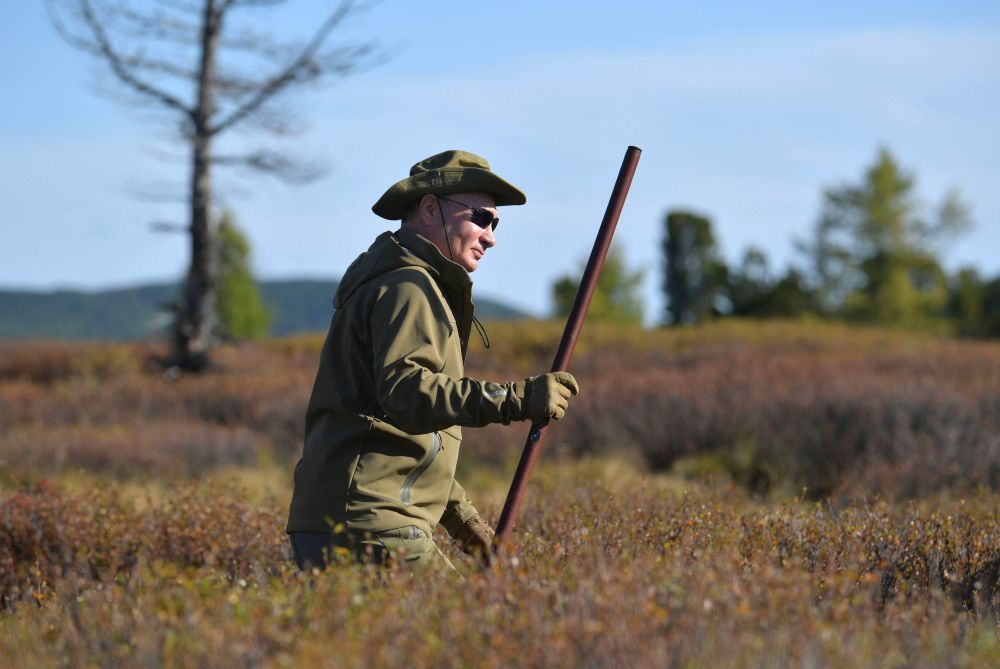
393 202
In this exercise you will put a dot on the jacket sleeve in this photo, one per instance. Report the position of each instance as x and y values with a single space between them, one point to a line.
410 336
458 510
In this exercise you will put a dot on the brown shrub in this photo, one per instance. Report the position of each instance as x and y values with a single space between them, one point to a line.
780 407
619 572
47 534
902 417
817 419
160 446
50 362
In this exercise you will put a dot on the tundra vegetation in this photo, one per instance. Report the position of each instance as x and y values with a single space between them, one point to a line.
726 495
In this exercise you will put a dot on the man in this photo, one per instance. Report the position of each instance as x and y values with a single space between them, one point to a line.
383 427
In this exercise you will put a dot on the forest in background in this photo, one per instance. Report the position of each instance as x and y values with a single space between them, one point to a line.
874 256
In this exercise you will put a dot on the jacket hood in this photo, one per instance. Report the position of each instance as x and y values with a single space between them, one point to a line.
394 250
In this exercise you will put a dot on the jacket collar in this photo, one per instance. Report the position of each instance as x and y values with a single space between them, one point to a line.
449 273
454 279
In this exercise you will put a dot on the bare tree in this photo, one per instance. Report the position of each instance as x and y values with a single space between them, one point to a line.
165 55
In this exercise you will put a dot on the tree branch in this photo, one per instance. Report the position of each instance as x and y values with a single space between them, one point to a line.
160 67
186 7
160 25
120 65
274 121
275 164
303 68
255 42
254 3
232 85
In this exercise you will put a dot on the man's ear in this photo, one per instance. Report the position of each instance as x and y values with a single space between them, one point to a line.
428 209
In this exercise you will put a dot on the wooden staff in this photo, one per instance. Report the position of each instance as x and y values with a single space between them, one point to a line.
508 518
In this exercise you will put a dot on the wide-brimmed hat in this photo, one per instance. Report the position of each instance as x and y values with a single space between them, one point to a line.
443 173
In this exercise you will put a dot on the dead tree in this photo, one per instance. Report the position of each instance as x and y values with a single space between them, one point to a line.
166 56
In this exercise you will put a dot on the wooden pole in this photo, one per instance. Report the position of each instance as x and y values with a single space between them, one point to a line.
508 517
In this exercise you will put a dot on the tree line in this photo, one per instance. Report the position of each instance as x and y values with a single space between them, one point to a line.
872 257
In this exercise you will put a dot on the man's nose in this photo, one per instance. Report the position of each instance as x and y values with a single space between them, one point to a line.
488 239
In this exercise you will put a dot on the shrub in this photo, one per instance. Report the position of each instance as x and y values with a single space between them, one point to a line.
613 572
780 406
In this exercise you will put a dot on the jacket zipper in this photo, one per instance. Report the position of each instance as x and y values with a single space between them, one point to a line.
406 491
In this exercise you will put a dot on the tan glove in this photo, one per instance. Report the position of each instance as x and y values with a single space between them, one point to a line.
475 537
547 396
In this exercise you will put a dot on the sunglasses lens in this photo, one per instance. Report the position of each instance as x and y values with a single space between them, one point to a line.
484 218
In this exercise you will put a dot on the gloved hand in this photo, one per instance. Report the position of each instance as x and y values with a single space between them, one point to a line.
475 537
547 396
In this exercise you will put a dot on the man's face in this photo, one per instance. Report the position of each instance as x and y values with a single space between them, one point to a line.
469 242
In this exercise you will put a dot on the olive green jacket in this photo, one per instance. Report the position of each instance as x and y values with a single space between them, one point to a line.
383 427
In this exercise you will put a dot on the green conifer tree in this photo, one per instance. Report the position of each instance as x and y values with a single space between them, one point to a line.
967 303
616 297
875 254
694 274
242 313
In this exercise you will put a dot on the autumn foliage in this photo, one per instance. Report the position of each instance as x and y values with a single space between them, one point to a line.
729 496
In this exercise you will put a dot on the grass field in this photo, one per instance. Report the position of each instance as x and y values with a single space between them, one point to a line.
739 495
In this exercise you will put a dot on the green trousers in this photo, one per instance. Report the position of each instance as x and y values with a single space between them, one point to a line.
407 544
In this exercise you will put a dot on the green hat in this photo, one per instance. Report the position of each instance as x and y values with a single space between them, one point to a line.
447 172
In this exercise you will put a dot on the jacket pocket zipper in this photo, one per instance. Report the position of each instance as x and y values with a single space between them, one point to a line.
406 491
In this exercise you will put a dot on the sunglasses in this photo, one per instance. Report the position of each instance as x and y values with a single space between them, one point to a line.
481 217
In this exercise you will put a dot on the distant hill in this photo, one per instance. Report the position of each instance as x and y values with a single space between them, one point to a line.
135 313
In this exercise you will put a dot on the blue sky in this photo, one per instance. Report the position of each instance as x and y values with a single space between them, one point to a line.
744 111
